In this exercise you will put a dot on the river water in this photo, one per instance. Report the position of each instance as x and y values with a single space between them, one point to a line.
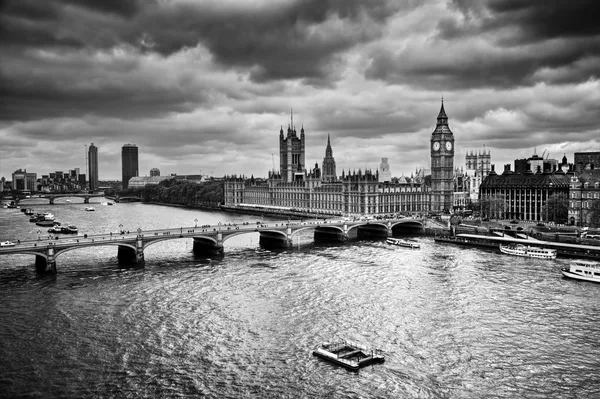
453 322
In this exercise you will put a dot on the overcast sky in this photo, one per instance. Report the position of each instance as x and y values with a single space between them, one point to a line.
204 86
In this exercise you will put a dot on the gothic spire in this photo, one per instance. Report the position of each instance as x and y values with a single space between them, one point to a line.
442 118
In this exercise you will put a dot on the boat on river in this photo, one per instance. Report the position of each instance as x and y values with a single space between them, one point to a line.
55 229
348 354
403 243
583 270
90 208
528 251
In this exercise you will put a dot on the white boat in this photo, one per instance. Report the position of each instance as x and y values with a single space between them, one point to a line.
528 251
402 243
348 355
90 208
583 270
48 216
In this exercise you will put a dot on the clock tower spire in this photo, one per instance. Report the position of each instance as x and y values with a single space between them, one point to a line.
442 164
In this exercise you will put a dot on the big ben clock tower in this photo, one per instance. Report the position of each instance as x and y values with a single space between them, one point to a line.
442 164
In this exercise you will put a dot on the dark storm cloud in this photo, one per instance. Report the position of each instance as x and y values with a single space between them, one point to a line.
269 42
500 43
276 40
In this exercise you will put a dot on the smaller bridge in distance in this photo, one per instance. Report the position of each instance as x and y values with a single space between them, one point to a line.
210 239
52 197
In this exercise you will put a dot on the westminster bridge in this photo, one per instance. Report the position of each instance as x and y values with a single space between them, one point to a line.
208 239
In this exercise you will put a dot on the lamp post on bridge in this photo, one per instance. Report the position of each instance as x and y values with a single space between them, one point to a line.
139 231
120 229
38 234
196 223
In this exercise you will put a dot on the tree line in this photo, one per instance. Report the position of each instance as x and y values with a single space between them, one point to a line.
181 192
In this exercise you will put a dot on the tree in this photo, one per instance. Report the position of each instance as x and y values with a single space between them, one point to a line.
594 215
556 208
493 206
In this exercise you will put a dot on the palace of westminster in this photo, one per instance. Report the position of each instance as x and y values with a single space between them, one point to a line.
445 190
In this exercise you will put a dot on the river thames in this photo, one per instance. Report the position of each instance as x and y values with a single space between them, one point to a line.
452 322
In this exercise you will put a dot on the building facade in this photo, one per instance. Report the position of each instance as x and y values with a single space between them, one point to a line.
322 192
587 160
385 174
129 163
523 195
584 191
93 167
442 165
24 181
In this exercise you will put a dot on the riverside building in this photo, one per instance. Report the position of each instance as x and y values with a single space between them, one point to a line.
321 191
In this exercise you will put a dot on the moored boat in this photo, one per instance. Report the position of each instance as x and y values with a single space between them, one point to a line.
349 355
55 229
70 229
90 208
583 270
48 216
528 251
402 243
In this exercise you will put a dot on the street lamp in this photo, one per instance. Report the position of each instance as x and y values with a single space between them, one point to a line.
196 223
120 229
38 234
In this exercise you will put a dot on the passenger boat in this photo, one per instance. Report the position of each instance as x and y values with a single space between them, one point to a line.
349 355
528 251
403 243
90 208
583 270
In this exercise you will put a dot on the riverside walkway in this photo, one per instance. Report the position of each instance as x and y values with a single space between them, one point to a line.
207 238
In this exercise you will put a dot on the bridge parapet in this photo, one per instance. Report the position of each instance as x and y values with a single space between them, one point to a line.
211 239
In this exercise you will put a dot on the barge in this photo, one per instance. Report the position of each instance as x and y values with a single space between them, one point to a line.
349 355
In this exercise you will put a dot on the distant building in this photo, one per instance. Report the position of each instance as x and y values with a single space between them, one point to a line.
129 163
93 167
385 175
141 182
154 172
477 168
23 181
587 160
329 173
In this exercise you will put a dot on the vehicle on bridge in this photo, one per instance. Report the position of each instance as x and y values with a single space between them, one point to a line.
7 244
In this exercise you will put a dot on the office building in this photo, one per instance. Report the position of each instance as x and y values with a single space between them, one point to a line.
93 167
129 163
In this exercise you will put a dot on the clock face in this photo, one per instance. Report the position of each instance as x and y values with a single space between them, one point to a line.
448 145
436 145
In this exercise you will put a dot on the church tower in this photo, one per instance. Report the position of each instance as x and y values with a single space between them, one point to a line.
329 173
442 164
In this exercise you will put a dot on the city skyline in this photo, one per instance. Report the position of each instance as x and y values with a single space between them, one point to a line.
202 96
